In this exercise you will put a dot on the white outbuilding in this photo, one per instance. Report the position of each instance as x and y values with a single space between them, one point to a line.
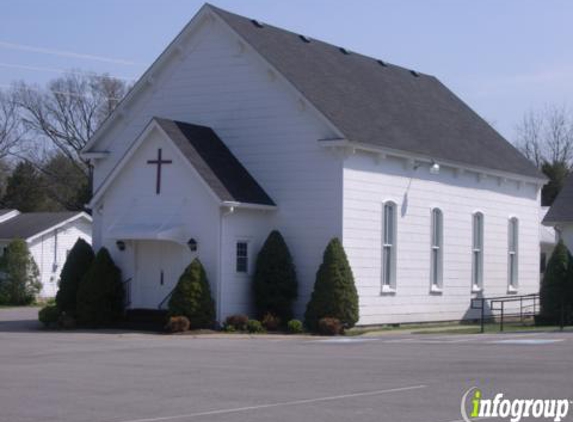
49 235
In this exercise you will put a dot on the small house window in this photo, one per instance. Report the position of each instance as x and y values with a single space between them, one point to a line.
436 251
242 259
477 252
389 247
512 249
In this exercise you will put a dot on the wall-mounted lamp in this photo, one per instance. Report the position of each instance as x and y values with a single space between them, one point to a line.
120 245
192 245
435 168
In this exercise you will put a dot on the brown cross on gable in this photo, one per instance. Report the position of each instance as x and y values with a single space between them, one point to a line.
159 162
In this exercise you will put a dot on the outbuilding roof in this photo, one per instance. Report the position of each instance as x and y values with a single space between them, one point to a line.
561 211
27 225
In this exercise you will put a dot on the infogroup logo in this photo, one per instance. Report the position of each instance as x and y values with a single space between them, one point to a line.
474 406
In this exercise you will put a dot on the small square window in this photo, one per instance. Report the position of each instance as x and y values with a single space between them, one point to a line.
242 259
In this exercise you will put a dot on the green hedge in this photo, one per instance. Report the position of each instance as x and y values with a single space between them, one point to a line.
192 297
557 286
334 294
275 284
77 264
100 297
21 281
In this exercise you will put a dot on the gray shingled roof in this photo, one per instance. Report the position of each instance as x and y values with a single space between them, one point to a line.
562 209
381 104
216 164
27 225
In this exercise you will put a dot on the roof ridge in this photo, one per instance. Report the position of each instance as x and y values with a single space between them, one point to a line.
349 51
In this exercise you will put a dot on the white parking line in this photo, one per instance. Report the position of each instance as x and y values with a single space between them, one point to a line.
279 404
347 340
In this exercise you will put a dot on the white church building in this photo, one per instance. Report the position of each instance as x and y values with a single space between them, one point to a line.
239 128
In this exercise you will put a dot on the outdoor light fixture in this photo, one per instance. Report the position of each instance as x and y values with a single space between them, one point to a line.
192 245
120 245
435 168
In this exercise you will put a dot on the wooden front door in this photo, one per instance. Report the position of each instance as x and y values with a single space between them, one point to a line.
158 268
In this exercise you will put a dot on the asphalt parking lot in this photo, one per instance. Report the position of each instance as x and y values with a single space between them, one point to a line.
133 377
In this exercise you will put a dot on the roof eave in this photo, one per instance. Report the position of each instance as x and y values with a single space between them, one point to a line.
351 145
77 216
248 205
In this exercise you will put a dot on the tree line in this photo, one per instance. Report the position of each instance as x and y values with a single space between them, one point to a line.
42 132
545 137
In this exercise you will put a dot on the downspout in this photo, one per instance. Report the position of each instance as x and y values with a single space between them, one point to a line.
224 212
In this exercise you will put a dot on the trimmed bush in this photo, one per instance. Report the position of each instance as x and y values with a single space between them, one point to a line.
178 324
192 297
294 326
271 322
330 326
21 281
49 316
77 264
334 292
557 285
255 327
226 328
238 322
274 283
100 297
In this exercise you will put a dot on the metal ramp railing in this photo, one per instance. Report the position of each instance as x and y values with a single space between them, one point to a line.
523 306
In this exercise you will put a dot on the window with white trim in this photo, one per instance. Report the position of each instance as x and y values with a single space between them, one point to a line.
389 247
512 250
242 257
477 252
436 251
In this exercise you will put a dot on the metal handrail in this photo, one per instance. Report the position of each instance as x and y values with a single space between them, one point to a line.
524 310
166 298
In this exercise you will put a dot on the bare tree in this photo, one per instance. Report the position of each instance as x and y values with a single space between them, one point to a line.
59 121
547 136
69 111
10 129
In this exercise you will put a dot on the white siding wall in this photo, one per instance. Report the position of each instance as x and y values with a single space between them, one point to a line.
368 184
248 226
50 259
263 122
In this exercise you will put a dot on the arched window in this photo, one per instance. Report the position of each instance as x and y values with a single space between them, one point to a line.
436 250
389 247
512 250
477 252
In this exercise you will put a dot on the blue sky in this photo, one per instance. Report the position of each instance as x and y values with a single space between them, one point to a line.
503 57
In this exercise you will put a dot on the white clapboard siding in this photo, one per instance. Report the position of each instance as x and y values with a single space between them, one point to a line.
367 185
217 83
51 249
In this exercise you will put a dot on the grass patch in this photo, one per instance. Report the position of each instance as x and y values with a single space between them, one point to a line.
33 305
378 329
490 329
